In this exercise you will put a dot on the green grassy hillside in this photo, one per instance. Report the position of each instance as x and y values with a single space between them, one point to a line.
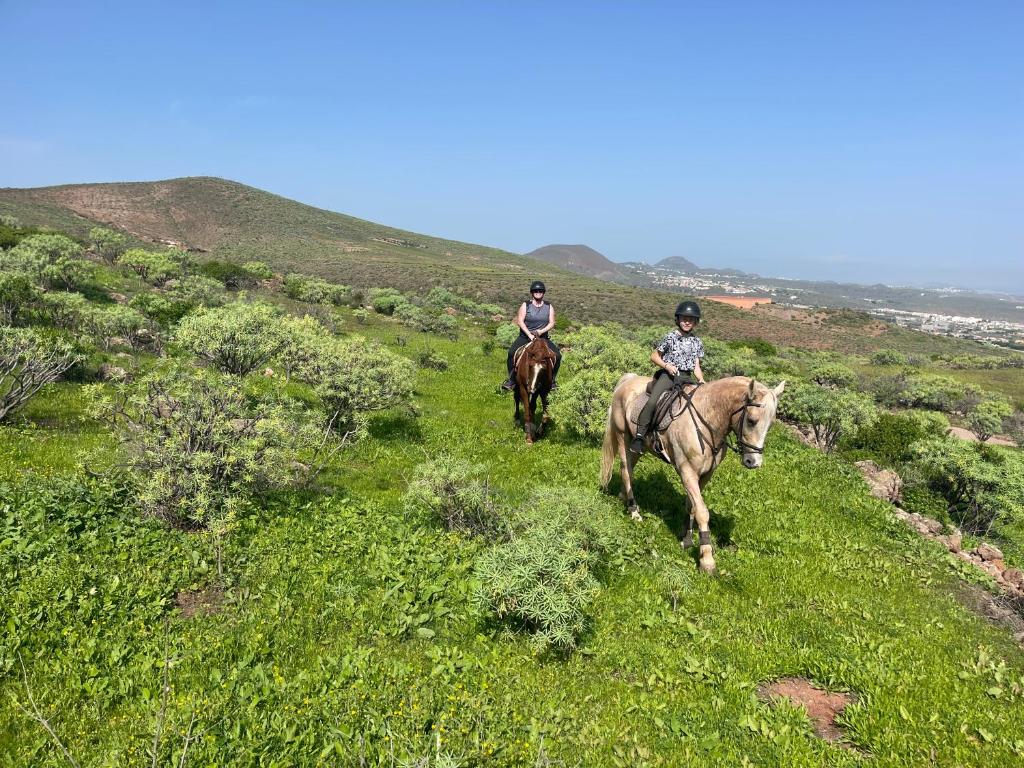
227 220
346 630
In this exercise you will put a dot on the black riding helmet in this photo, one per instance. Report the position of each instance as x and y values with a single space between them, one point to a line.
687 309
537 285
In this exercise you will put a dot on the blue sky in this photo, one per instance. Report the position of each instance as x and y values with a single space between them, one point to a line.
874 142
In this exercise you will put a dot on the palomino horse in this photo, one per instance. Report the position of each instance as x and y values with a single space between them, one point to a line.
534 366
695 441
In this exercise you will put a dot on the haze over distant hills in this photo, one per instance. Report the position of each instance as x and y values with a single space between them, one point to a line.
582 259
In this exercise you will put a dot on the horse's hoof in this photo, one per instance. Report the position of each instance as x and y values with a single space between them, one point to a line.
686 542
634 512
708 567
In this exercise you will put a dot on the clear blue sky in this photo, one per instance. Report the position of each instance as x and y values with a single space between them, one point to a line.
869 142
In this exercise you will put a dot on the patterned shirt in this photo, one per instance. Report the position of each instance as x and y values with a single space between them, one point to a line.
682 351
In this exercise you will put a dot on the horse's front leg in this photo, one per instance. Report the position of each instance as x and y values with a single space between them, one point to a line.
544 415
699 511
628 462
529 402
687 540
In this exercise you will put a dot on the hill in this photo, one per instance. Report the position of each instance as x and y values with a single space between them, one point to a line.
221 219
580 258
678 263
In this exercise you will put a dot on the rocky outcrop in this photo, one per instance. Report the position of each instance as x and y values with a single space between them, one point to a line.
884 483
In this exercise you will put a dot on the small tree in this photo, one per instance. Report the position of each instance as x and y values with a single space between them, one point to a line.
200 446
986 418
107 243
117 322
28 362
237 338
833 376
829 413
156 268
34 254
17 291
303 340
258 270
315 290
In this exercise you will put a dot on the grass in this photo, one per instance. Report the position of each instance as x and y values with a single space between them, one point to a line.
350 634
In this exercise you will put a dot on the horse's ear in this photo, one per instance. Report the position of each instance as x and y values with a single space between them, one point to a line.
750 391
778 390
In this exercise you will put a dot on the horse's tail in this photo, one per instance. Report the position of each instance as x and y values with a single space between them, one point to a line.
608 451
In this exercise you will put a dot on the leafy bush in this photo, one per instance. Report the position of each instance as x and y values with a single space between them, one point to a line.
888 357
506 333
386 300
155 267
983 484
196 291
18 292
258 270
831 414
227 274
29 361
426 321
888 438
758 346
303 339
50 259
932 423
315 290
833 375
545 578
456 493
107 243
161 309
986 418
938 393
428 358
723 360
237 338
583 402
199 445
361 315
606 348
119 323
441 298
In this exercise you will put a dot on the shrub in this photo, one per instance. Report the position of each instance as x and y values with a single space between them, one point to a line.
986 418
456 493
506 333
34 254
386 300
237 338
426 321
888 357
833 375
354 377
545 578
156 268
314 290
428 358
361 315
199 445
160 309
938 393
831 414
197 291
29 361
983 484
107 243
723 360
932 423
302 343
258 270
487 346
116 322
18 292
228 274
584 400
888 438
605 348
759 347
1013 425
65 310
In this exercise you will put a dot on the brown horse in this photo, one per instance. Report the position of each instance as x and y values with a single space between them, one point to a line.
534 367
695 441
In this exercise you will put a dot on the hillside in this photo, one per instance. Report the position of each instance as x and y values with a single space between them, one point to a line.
580 258
222 219
678 263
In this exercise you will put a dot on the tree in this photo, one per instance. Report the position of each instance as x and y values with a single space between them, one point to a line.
43 257
829 413
303 340
986 418
833 375
107 243
116 322
29 361
237 338
156 268
17 291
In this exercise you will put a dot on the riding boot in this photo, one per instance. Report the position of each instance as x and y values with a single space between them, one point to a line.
509 383
637 446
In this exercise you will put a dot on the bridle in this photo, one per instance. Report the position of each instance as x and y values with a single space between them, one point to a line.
739 445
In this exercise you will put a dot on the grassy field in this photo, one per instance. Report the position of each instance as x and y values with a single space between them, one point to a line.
347 631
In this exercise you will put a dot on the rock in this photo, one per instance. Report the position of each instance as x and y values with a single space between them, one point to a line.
1019 637
110 372
120 298
1014 577
933 527
902 514
268 372
988 552
954 541
990 569
452 311
883 483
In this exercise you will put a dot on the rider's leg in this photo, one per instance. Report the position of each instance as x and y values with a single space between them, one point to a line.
510 382
662 384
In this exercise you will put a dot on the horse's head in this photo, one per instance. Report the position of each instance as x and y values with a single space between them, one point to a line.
752 420
538 359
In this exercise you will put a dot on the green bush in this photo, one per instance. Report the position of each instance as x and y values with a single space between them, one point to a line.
426 321
386 300
228 274
200 446
986 418
107 243
833 375
156 268
196 291
457 494
258 270
545 578
830 413
605 347
314 290
888 438
506 333
18 293
161 309
759 347
237 338
983 484
29 361
116 324
888 357
428 358
583 402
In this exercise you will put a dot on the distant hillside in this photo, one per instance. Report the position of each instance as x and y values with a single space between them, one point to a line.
678 263
580 258
222 219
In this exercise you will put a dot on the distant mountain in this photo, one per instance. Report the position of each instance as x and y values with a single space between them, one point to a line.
580 258
678 263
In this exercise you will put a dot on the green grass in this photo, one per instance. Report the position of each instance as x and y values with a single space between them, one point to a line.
316 656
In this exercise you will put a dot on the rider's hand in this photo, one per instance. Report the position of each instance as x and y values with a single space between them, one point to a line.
530 336
671 369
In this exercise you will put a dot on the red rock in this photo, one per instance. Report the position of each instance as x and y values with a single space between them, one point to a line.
1014 577
988 552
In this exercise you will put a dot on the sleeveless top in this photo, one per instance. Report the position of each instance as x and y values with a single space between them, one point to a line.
537 317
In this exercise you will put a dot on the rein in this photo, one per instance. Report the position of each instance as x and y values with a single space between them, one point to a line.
739 446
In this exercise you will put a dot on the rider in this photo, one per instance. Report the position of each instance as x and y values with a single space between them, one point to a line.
678 357
535 318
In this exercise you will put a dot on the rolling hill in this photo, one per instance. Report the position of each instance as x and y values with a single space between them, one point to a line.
221 219
582 259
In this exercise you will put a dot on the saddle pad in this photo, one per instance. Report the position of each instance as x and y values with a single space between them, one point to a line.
633 411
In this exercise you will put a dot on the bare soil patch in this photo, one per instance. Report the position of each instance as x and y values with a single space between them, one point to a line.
966 434
822 706
203 602
1005 610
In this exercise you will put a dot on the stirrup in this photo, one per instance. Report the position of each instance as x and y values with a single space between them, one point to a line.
508 384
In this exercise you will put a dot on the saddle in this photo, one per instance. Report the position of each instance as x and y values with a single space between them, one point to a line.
673 404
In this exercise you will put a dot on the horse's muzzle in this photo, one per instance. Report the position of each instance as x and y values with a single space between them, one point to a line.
751 460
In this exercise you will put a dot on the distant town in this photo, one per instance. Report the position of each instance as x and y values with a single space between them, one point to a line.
994 319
